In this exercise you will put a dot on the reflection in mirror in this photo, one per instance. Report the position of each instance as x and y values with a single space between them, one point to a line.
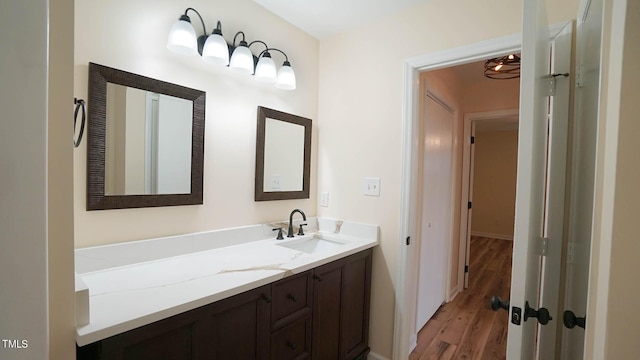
145 141
148 142
283 155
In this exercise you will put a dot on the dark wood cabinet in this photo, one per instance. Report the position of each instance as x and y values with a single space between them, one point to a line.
341 303
176 338
320 314
238 327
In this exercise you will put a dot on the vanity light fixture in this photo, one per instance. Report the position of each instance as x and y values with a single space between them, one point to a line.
214 49
501 68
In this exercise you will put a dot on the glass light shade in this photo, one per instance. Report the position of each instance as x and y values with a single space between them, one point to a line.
182 38
266 70
242 60
215 50
286 78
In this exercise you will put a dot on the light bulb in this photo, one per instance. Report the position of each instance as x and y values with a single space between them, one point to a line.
215 49
498 67
266 69
182 37
286 77
242 59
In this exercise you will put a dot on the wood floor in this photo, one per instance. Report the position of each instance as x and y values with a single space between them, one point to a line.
467 328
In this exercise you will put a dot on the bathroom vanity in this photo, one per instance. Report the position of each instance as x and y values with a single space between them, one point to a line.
306 297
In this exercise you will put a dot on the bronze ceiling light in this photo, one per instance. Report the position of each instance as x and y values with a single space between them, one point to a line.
502 68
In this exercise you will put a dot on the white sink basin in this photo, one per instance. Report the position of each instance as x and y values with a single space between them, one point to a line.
312 245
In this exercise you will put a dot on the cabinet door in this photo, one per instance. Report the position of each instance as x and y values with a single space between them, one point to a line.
327 295
356 291
176 338
239 327
341 302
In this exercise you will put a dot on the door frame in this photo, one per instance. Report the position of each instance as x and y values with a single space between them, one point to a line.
467 185
405 337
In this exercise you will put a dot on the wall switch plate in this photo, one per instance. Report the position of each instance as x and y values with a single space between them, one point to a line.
372 186
324 199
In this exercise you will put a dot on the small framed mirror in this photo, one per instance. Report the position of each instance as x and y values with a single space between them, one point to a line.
283 156
145 141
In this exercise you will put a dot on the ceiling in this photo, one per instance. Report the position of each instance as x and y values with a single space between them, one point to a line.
324 18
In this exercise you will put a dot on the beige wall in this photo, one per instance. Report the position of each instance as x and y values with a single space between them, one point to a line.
494 183
60 183
132 36
492 95
360 117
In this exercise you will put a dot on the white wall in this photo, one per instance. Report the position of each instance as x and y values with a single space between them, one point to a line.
613 316
131 35
360 117
36 263
23 160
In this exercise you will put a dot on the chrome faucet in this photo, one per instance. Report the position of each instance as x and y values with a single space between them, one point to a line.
304 218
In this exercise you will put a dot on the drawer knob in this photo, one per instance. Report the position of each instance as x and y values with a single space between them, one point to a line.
291 345
266 298
292 297
316 277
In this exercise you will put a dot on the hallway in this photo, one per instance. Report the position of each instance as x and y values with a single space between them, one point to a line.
467 328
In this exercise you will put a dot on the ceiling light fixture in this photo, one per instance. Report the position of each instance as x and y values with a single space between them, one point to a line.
502 68
215 49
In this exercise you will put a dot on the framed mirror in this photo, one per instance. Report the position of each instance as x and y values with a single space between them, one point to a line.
145 141
283 156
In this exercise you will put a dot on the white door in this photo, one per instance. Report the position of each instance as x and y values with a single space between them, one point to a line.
554 220
532 144
588 36
435 225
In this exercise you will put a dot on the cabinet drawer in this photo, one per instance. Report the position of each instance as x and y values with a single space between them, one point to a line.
291 299
292 342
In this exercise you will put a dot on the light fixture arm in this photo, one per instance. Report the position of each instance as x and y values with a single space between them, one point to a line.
218 29
261 42
200 16
241 41
286 59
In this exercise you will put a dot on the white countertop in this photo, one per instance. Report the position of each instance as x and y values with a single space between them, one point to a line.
126 297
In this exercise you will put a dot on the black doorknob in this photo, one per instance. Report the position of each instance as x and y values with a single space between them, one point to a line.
497 303
542 314
570 320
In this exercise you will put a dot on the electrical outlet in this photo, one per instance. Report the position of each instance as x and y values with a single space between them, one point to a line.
372 186
324 199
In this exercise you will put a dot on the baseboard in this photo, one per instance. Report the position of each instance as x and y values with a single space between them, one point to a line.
453 293
493 236
374 356
413 342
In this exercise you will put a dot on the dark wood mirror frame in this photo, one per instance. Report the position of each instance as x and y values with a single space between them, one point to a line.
260 194
99 76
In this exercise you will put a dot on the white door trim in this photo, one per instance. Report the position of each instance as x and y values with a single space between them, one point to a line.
404 337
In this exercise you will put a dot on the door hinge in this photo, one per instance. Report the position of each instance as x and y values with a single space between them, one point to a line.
580 76
473 140
466 269
544 246
551 84
469 205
